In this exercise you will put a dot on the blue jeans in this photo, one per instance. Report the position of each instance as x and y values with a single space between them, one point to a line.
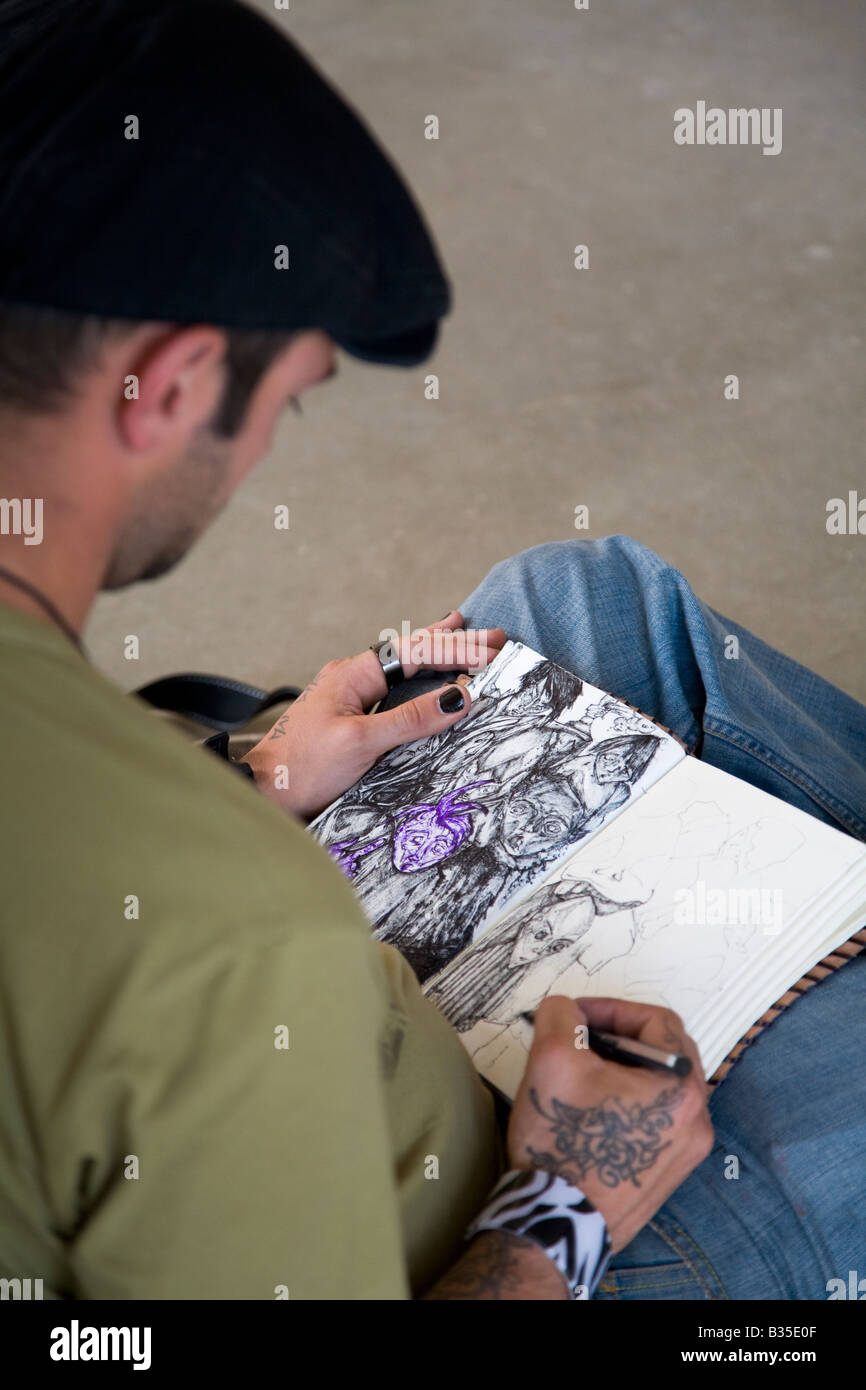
793 1109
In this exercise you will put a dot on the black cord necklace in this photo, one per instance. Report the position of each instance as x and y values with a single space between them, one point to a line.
50 608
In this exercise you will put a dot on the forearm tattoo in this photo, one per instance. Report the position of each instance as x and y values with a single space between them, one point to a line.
615 1140
490 1269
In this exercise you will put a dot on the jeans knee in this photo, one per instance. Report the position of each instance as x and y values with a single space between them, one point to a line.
608 557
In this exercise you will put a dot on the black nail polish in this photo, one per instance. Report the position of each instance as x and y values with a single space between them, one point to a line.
451 700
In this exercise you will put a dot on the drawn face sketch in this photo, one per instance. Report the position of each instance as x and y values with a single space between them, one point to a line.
623 759
520 701
431 832
545 689
537 821
553 932
422 841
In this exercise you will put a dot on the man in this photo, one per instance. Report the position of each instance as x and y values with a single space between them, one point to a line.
216 1085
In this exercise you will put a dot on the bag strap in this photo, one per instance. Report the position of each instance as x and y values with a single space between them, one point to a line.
213 700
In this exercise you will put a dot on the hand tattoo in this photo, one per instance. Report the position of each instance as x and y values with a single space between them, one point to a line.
280 727
617 1140
307 688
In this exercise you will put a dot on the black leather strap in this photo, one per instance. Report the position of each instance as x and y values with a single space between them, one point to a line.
219 745
213 700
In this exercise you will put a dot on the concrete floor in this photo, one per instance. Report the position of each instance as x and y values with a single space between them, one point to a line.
602 387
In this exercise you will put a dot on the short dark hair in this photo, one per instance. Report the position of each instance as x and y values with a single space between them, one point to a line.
558 687
44 352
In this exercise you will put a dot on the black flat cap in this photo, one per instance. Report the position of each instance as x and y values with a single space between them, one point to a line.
242 147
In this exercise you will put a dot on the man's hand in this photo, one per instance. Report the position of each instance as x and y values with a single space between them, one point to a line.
626 1136
325 741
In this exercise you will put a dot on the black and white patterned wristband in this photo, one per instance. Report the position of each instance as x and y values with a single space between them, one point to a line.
558 1217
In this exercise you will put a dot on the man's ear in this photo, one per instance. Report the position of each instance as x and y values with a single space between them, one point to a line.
171 387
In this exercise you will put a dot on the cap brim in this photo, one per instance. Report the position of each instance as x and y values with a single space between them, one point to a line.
405 350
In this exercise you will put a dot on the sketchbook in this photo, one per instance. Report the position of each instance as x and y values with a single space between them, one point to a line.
558 841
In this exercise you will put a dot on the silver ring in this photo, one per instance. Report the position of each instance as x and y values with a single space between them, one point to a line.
389 660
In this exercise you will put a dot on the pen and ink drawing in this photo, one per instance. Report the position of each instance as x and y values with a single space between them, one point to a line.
440 835
485 982
611 908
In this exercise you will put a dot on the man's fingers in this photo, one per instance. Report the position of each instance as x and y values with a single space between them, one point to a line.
556 1017
450 622
450 649
557 1020
355 683
361 676
647 1022
631 1019
414 719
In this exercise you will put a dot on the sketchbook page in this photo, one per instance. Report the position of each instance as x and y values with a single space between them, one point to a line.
791 960
715 1047
678 903
442 833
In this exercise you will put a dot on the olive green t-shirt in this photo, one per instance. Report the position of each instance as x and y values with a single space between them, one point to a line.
215 1084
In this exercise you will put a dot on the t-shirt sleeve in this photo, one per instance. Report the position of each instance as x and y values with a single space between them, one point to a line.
247 1153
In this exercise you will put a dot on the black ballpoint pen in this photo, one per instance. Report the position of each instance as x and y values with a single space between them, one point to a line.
630 1052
